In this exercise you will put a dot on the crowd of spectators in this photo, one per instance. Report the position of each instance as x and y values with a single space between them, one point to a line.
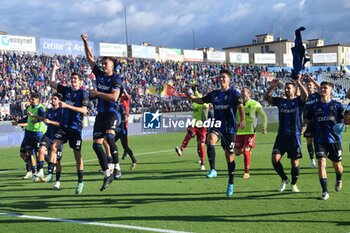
21 74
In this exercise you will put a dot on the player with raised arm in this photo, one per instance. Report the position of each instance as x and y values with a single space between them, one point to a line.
74 106
109 89
328 116
225 102
246 137
289 130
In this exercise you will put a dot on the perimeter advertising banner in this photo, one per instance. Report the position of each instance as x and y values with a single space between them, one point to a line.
147 52
241 58
17 43
113 50
216 56
324 58
170 54
63 47
193 55
264 58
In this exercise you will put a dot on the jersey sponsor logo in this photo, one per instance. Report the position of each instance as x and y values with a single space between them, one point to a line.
284 110
326 118
102 87
221 107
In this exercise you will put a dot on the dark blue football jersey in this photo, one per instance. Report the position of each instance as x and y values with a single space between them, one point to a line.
53 115
289 115
107 84
325 116
311 99
77 98
225 107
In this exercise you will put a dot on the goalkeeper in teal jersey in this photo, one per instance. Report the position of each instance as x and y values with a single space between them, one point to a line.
245 137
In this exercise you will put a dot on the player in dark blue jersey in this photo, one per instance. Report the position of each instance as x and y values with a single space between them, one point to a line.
109 90
327 115
289 130
74 107
52 120
225 103
309 131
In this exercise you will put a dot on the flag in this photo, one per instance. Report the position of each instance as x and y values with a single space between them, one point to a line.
169 91
152 90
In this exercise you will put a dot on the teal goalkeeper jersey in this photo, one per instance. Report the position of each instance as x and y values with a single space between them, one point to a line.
252 109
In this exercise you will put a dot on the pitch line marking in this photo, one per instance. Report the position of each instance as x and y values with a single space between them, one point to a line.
90 160
92 223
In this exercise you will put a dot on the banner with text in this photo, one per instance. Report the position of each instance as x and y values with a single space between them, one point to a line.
241 58
288 59
324 58
147 52
193 55
113 50
264 58
17 43
170 54
216 56
63 47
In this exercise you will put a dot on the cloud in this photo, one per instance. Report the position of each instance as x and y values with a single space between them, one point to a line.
236 12
279 6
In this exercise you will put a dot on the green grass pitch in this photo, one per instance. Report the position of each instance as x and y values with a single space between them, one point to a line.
171 193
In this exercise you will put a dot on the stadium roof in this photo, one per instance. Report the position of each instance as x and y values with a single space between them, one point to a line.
265 43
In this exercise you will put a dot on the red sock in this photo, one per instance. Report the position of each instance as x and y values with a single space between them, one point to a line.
201 152
246 154
188 137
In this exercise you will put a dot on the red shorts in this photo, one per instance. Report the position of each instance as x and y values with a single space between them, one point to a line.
245 141
200 132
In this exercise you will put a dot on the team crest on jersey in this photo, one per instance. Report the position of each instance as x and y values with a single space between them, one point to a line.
331 108
319 111
216 98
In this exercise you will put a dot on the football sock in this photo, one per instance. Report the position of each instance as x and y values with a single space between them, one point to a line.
279 169
40 165
109 159
113 147
28 165
117 166
323 183
338 176
50 168
246 154
310 149
80 174
186 140
58 176
211 156
231 166
295 174
201 152
101 155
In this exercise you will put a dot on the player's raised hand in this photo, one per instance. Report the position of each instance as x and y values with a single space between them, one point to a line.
84 37
56 65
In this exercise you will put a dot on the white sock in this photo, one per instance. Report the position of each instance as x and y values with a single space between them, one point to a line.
106 173
117 166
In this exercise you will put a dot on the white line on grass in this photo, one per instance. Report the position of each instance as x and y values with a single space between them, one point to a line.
90 160
92 223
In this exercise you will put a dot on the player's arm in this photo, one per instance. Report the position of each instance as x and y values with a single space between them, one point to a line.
55 67
113 97
263 115
50 122
268 94
194 98
241 116
88 52
303 92
317 85
82 109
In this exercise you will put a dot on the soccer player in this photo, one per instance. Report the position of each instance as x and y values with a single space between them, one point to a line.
74 107
122 133
34 131
200 113
327 114
288 137
246 137
225 102
109 90
309 133
52 120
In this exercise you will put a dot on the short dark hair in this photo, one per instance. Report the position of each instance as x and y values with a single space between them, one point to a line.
111 59
58 95
290 83
225 71
35 95
75 73
327 83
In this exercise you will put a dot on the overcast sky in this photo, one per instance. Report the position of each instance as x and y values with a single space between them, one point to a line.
171 23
